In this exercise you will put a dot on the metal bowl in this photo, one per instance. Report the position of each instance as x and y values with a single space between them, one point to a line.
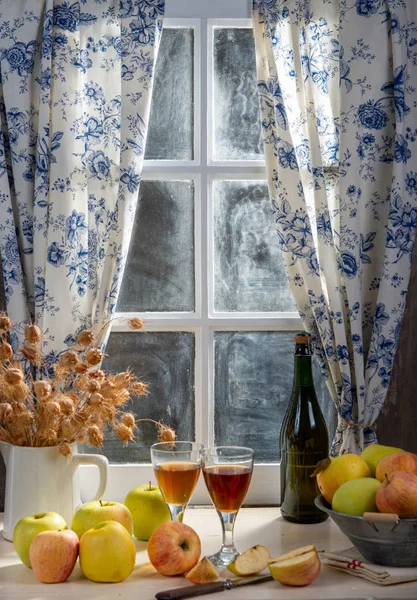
388 544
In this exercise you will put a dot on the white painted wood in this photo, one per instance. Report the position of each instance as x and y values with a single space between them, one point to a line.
205 9
221 322
253 526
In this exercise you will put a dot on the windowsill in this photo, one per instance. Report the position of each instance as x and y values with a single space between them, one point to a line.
254 526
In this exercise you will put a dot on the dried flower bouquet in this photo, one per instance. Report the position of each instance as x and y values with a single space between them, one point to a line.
75 403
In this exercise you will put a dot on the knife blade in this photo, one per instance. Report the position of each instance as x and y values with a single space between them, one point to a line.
209 588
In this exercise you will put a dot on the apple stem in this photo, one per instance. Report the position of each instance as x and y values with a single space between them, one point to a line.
101 503
150 486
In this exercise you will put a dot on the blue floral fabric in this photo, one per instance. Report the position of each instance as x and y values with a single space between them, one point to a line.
337 90
76 82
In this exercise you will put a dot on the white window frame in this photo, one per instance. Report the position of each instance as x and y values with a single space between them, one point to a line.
204 322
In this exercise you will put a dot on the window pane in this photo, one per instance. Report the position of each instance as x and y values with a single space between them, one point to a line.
237 130
171 126
165 360
159 273
249 271
253 382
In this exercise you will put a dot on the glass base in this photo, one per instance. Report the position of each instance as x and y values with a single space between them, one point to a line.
224 557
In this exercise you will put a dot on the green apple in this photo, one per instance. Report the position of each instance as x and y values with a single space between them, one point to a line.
97 511
148 509
107 553
29 527
373 454
356 496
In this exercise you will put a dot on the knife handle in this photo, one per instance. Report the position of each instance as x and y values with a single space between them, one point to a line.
188 592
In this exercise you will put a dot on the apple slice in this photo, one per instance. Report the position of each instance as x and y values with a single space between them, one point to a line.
251 561
203 572
298 567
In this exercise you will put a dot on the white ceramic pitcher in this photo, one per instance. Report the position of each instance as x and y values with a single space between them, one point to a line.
42 480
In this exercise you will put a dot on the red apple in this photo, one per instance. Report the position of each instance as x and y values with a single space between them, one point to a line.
174 548
298 567
53 555
251 561
398 495
398 461
203 572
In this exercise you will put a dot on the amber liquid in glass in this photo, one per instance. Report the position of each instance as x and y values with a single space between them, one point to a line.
177 480
227 485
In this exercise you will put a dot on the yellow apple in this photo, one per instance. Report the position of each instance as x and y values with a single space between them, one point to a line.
356 496
374 453
97 511
203 572
251 561
29 527
174 548
338 470
148 509
53 555
107 553
298 567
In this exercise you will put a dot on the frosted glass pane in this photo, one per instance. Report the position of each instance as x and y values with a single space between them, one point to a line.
165 360
237 130
171 126
249 273
253 382
159 273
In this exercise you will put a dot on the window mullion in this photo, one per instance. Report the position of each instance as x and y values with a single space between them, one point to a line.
203 396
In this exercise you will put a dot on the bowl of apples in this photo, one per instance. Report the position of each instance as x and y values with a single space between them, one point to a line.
374 503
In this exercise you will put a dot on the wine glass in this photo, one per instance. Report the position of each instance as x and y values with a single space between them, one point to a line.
177 466
227 471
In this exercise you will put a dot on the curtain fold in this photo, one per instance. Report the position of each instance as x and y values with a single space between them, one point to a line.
336 84
75 93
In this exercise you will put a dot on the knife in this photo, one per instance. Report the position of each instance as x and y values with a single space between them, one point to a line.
209 588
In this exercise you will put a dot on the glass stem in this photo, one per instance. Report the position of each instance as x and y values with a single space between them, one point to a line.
228 524
177 511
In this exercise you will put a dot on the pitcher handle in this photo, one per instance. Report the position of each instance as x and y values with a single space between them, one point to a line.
103 468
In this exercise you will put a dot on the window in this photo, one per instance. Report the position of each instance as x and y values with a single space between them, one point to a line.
204 269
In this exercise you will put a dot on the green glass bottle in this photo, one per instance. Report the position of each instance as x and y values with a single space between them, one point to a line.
304 441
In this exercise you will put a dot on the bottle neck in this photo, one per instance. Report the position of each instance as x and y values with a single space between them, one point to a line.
303 374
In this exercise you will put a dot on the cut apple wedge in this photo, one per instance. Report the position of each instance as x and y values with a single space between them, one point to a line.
251 561
298 567
203 572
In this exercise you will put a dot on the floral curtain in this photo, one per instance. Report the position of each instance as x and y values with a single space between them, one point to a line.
76 83
337 89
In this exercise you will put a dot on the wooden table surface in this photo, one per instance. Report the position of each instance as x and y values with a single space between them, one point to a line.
253 526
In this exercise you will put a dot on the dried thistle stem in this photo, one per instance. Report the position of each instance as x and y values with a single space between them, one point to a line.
71 404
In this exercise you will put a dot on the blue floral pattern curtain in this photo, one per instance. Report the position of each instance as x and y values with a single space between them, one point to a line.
337 89
76 83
